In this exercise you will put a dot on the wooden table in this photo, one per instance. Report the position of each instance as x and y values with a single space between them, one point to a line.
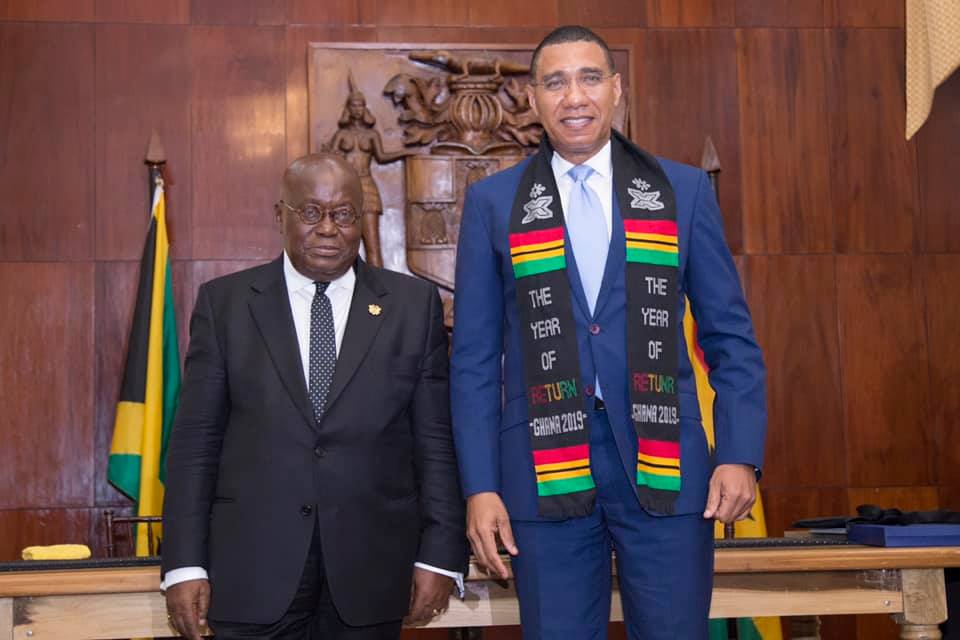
124 602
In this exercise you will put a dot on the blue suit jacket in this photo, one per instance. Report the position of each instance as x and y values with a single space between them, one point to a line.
487 378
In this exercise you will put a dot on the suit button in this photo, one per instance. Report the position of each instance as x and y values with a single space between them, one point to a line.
589 390
306 510
319 452
595 329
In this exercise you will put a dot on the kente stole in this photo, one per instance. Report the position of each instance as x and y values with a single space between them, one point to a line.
559 425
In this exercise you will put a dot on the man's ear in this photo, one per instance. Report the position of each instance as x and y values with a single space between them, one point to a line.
531 97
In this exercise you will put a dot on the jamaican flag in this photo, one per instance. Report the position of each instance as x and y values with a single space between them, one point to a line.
754 526
151 380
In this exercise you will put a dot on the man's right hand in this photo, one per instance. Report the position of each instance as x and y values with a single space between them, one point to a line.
487 519
187 604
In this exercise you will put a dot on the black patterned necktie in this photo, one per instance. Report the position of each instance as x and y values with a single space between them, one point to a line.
323 349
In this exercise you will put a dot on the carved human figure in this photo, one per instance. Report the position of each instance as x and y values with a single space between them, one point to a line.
359 143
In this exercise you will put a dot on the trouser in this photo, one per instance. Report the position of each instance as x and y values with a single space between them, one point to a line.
664 563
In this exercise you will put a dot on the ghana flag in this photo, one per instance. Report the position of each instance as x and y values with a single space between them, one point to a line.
151 380
754 526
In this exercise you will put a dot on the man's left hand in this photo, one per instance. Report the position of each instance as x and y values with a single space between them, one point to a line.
430 596
733 490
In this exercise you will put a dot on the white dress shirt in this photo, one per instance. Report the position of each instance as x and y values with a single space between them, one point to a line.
601 181
300 291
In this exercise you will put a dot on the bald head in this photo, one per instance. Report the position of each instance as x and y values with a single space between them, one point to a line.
304 173
318 246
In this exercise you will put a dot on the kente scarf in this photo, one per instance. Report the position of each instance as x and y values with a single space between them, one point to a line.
558 422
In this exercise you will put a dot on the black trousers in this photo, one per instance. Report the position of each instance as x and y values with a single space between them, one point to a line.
312 614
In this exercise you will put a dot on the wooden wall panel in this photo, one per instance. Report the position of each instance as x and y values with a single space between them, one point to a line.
876 627
793 300
417 34
508 13
779 13
612 13
938 148
47 382
864 13
144 11
949 497
838 628
205 270
52 10
883 349
691 13
787 206
530 36
238 142
914 498
785 505
941 278
873 171
332 12
690 76
143 83
421 13
46 129
250 12
27 527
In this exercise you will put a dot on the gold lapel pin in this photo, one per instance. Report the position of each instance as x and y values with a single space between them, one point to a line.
374 309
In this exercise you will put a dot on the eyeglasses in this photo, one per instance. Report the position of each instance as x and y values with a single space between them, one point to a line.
586 80
343 216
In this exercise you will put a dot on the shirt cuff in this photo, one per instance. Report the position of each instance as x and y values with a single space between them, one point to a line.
175 576
455 575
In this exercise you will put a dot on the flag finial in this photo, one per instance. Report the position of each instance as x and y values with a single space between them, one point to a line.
709 161
155 151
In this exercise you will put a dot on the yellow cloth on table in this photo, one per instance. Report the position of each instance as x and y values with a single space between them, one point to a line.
57 552
933 53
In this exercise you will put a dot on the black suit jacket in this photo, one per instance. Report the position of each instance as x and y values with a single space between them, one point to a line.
249 471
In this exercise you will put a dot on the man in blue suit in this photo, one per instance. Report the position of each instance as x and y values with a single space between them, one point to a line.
574 405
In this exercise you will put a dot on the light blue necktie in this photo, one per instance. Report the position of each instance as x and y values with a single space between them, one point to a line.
588 233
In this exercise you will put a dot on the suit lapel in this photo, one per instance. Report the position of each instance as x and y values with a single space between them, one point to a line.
271 311
363 322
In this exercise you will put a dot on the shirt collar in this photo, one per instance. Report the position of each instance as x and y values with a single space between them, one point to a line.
297 281
599 162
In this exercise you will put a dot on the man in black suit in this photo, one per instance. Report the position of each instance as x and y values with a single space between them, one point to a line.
312 487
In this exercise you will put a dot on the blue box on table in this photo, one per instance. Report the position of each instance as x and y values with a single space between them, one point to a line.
910 535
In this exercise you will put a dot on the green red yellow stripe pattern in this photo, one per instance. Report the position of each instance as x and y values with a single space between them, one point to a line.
563 470
658 464
537 252
652 242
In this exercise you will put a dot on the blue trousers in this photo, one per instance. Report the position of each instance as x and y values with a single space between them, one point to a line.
664 563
